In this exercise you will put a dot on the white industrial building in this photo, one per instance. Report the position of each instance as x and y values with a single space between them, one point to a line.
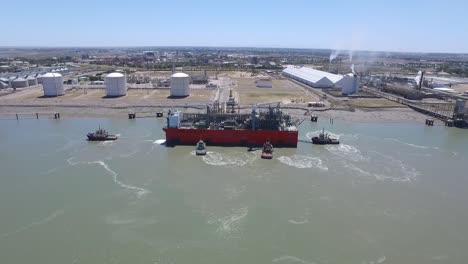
264 82
31 80
312 77
39 78
320 79
52 83
180 85
19 83
116 85
3 85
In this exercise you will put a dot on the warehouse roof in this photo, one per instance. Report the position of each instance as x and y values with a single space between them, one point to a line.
311 75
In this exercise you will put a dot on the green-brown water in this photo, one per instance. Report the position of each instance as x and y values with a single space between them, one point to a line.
391 193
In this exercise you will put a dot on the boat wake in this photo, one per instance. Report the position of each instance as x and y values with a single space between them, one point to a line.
231 222
159 142
346 151
410 145
302 162
230 160
378 261
233 192
294 222
311 134
139 191
106 143
43 221
386 168
291 259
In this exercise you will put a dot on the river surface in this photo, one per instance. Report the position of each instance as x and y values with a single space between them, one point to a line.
390 193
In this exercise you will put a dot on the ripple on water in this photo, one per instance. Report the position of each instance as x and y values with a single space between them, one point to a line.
385 168
291 259
230 223
410 144
302 162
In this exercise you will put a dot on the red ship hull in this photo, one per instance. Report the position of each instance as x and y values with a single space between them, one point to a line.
237 137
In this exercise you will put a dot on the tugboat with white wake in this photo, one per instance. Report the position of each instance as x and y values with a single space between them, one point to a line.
101 135
267 151
324 139
201 148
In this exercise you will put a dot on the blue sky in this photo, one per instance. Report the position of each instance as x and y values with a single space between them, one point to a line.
425 26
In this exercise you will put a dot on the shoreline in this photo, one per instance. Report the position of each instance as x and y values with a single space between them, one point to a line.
362 115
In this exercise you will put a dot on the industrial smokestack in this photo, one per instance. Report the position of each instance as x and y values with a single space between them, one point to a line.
419 79
334 54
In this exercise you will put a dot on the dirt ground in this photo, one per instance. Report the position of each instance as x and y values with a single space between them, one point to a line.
283 91
461 88
98 95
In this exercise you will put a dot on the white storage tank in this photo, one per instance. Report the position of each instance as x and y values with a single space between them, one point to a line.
19 83
31 81
53 84
180 85
116 85
3 85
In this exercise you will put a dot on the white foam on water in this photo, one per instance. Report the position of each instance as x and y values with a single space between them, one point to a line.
233 192
291 259
70 161
312 134
106 143
227 159
231 222
139 191
410 144
129 220
69 145
346 151
129 154
301 222
159 142
43 221
407 174
302 162
378 261
52 170
440 257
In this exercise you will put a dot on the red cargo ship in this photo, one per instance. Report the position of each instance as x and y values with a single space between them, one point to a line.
217 128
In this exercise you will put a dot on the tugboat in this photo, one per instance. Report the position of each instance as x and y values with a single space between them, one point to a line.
101 135
201 148
324 139
267 150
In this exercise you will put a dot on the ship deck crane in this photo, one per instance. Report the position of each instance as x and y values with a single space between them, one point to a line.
254 112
